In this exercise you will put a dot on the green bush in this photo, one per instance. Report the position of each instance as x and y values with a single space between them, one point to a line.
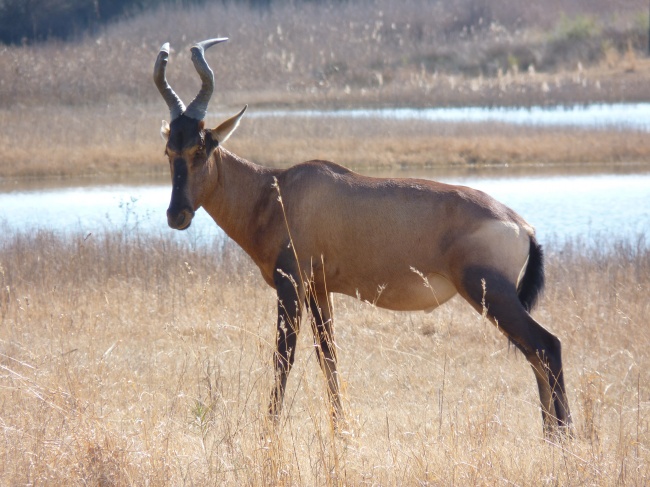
578 28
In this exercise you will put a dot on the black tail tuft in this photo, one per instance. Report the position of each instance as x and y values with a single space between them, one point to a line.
532 284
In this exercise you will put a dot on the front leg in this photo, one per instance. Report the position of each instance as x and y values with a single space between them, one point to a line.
321 310
290 298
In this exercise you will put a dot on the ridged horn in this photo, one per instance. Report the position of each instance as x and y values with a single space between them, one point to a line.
176 106
198 108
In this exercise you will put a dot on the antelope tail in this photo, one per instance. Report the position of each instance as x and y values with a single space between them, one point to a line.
532 284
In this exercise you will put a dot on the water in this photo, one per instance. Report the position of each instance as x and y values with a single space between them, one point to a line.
621 116
95 209
590 207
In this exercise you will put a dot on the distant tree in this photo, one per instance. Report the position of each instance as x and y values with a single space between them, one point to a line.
26 20
38 20
14 21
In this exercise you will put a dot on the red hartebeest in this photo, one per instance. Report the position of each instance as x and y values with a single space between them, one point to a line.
336 231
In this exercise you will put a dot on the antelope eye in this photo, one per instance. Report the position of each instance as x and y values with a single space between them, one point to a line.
198 156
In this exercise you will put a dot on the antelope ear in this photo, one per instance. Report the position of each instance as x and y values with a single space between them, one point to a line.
225 130
164 130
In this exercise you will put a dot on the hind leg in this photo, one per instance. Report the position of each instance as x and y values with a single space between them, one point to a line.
541 348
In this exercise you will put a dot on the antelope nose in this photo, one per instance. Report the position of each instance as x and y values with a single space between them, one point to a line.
179 220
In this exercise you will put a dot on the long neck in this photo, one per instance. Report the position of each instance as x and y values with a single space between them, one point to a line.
243 200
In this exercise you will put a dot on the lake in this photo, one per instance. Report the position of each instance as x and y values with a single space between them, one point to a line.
616 116
561 207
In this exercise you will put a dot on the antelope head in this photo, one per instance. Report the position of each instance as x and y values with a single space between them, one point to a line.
190 145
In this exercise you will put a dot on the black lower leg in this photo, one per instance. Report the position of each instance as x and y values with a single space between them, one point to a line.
556 381
288 326
284 358
324 342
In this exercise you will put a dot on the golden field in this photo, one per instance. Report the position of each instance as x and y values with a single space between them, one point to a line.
133 360
129 359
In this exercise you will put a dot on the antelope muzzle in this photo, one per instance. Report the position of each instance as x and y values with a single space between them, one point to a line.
180 211
179 219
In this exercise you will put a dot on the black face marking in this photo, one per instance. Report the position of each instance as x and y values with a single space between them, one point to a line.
179 200
180 174
186 150
180 211
184 132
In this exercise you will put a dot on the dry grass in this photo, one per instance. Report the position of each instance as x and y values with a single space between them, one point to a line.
90 107
122 139
377 47
132 360
388 144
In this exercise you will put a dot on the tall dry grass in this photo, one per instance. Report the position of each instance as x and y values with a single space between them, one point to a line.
138 360
311 48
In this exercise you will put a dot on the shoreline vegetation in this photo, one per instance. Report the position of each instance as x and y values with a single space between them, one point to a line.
88 107
64 142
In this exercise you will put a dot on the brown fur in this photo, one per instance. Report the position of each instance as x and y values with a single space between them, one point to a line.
338 231
404 244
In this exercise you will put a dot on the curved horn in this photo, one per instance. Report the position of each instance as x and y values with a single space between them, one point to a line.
198 108
176 106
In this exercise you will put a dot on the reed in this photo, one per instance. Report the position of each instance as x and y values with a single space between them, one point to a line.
130 359
123 140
